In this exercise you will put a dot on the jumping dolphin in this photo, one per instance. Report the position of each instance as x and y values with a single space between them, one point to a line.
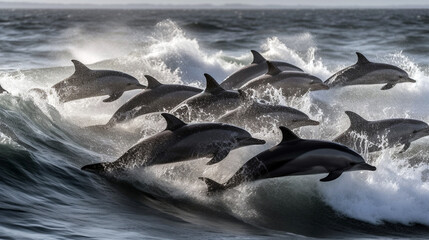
376 135
291 83
366 72
257 68
257 115
180 142
214 101
156 98
296 156
86 83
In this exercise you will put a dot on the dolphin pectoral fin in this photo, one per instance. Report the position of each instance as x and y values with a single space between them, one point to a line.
212 186
113 97
406 146
388 86
219 156
331 176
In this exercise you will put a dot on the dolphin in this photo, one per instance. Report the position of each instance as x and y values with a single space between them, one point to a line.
257 68
156 98
377 135
291 83
213 101
257 115
296 156
366 72
86 83
180 142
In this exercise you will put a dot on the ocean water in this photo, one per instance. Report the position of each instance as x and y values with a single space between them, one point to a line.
43 143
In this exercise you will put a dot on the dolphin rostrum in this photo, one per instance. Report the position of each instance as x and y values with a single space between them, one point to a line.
257 115
156 97
296 156
377 135
257 68
366 72
214 101
86 83
291 83
180 142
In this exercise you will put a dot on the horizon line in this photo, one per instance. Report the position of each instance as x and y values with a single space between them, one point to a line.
29 5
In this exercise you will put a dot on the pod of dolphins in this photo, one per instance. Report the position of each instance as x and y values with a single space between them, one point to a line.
230 103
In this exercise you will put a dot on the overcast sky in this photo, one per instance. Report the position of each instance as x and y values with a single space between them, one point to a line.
253 2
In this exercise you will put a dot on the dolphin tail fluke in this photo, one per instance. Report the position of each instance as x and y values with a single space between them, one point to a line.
212 186
2 90
95 168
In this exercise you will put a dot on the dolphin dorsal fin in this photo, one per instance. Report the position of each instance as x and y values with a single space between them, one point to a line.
355 119
361 58
273 70
288 135
80 67
152 82
212 86
173 122
257 57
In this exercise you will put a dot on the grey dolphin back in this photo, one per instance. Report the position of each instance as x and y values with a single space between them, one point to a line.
212 86
173 122
152 82
257 57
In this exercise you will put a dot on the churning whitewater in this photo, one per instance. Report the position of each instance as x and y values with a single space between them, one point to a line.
45 142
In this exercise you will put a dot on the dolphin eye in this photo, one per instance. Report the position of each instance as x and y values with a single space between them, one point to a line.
401 77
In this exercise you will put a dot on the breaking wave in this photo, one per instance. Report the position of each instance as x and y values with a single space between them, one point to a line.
44 145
